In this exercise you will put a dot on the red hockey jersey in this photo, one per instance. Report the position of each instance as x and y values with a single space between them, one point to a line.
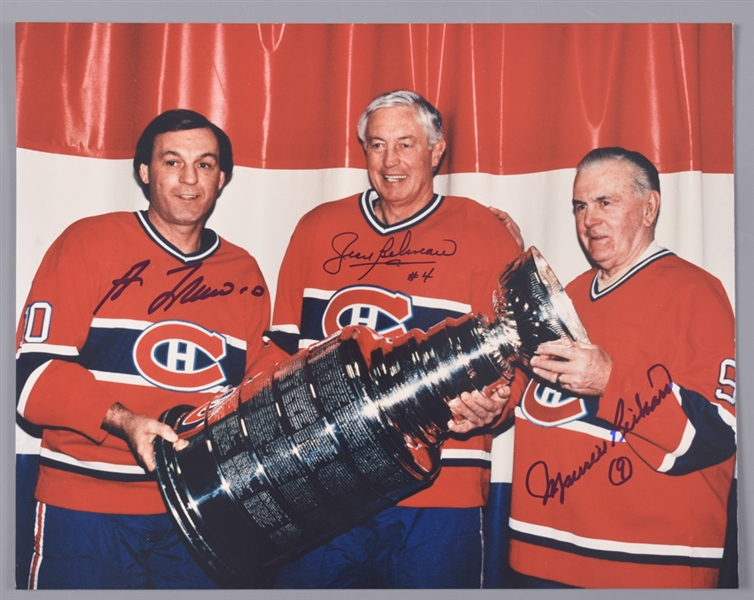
630 490
343 266
118 314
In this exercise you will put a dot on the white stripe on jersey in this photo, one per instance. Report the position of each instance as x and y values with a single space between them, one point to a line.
91 465
460 453
459 307
318 294
286 328
614 546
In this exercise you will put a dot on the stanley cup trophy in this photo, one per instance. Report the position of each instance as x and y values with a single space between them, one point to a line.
343 429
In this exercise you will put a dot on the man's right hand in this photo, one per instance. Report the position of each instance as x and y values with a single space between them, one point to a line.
139 431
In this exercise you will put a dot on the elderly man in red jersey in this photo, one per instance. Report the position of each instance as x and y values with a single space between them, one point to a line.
398 257
625 446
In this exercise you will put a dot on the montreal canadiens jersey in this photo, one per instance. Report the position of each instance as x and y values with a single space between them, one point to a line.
118 314
630 490
343 266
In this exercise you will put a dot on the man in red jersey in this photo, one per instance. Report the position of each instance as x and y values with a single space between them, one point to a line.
398 257
625 447
131 314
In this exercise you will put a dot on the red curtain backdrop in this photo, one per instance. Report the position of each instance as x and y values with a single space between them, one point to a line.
515 98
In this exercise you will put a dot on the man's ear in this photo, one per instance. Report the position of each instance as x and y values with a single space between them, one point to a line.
222 181
651 208
437 151
144 173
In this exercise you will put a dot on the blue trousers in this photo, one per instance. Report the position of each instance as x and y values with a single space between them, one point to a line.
83 550
398 548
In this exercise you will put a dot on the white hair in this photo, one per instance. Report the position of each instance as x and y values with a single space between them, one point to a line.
426 114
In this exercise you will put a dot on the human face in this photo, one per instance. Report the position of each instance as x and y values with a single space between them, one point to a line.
184 180
614 226
399 160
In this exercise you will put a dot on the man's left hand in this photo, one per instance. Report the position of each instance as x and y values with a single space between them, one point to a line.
581 368
473 410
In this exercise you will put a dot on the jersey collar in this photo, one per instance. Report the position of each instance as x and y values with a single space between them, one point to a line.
369 198
210 241
651 254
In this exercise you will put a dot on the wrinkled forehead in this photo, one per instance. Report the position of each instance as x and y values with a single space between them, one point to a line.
604 175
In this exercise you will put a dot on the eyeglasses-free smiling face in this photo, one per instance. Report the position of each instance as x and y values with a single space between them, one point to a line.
614 225
184 179
400 162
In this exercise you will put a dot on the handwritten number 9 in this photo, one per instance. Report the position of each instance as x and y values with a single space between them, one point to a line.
621 470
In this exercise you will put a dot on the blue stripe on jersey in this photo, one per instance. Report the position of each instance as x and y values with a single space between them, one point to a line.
714 441
617 556
466 462
422 318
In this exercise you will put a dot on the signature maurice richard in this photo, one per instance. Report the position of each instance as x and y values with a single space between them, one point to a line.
540 484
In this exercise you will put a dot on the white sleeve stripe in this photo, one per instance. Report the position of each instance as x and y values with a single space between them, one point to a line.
689 432
613 545
93 465
727 418
30 382
31 347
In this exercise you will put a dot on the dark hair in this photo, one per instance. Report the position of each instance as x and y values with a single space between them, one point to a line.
180 119
646 177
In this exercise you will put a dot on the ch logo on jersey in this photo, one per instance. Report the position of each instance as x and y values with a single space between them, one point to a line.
381 310
548 407
180 356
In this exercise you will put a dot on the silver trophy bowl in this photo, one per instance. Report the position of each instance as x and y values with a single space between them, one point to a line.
343 429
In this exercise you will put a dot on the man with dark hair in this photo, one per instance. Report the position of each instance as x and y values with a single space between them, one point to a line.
131 314
400 257
625 446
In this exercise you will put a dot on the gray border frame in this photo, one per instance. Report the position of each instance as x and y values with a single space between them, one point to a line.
738 12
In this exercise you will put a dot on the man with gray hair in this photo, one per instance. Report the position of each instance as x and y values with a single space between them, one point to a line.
398 257
625 446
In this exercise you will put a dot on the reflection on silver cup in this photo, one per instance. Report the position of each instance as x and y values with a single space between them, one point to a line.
343 429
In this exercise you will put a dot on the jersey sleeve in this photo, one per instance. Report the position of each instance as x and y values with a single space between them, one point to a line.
52 388
678 413
286 321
